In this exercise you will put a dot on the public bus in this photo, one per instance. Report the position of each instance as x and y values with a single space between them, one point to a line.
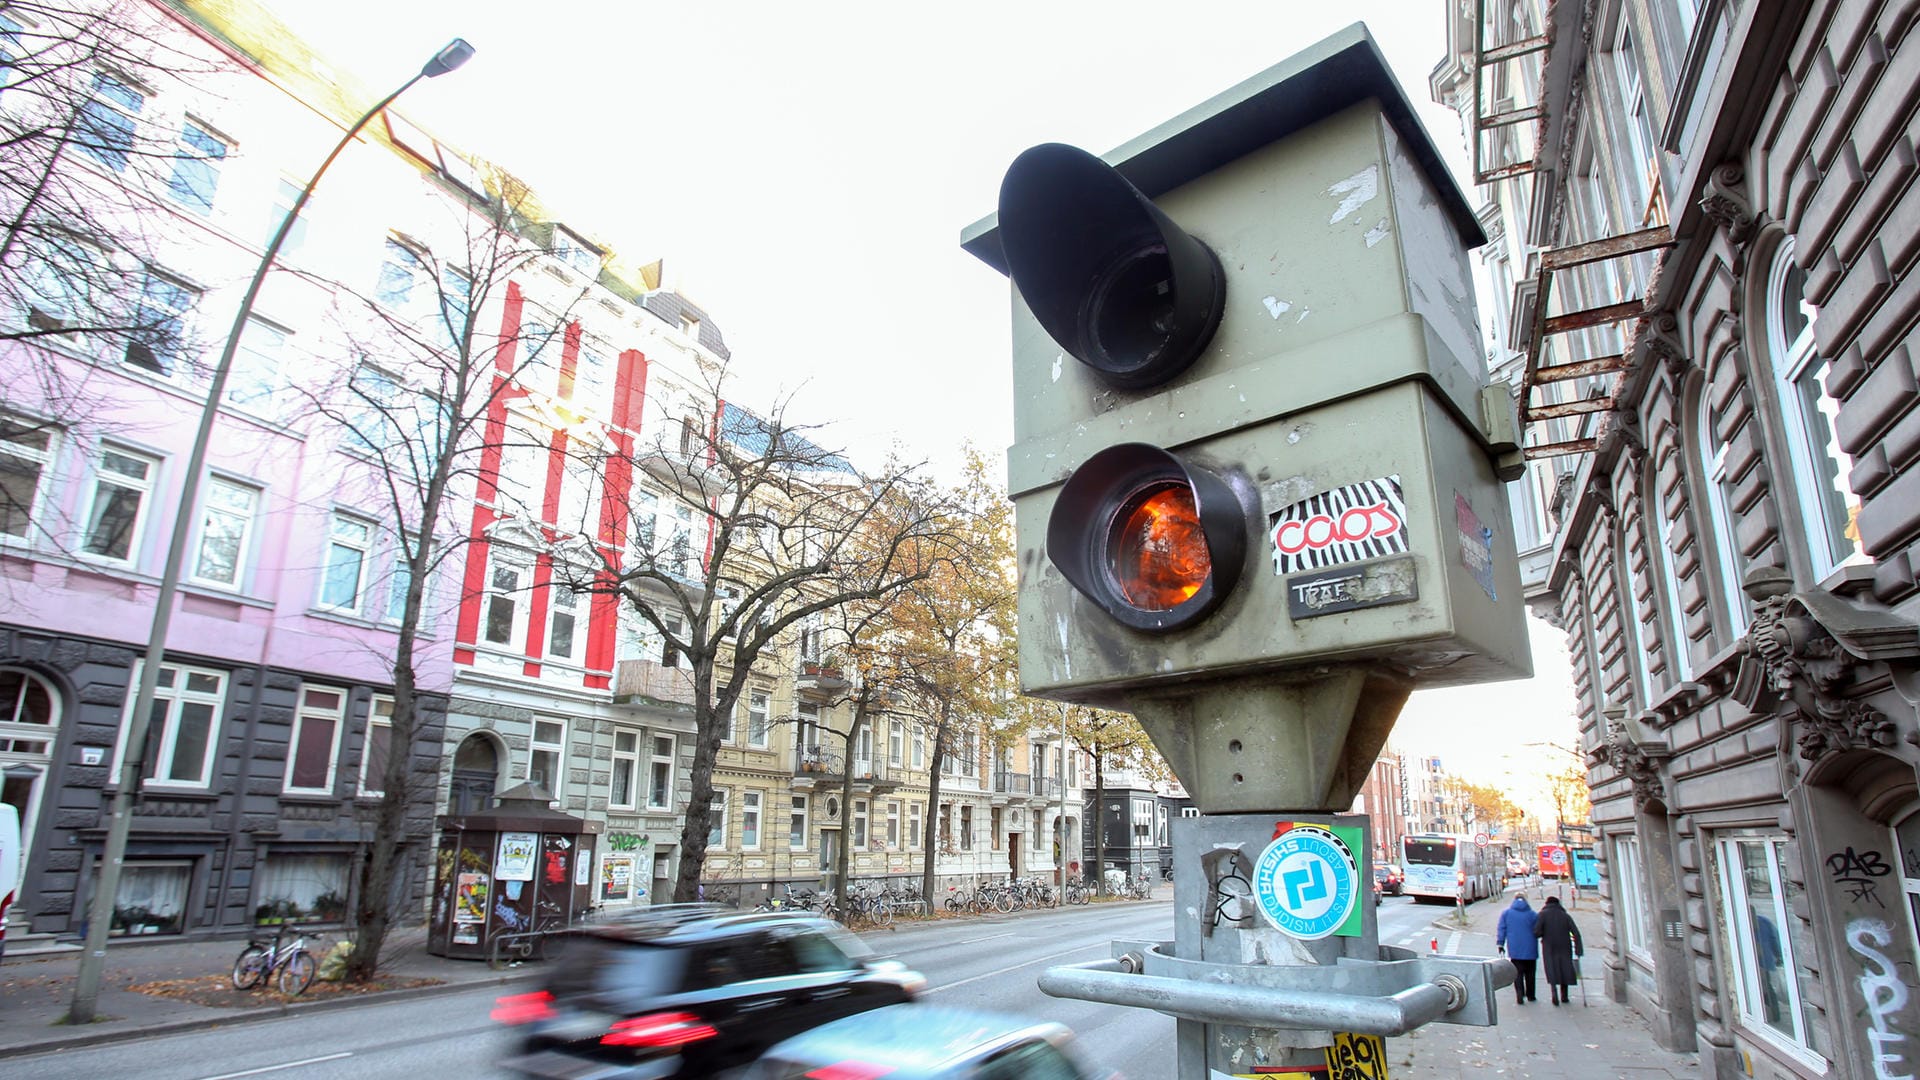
1449 866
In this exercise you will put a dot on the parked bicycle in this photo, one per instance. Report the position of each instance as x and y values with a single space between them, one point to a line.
288 961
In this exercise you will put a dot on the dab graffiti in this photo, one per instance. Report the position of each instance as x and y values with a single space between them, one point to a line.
1860 873
1884 993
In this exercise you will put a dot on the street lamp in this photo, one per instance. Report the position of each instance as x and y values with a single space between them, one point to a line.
86 989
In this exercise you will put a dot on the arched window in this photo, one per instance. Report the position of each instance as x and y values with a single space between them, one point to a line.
1678 648
1828 505
1719 488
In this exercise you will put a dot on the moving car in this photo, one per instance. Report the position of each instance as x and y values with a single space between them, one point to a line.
926 1042
690 990
1389 878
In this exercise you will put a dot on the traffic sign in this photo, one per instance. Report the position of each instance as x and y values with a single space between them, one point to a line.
1306 882
1480 839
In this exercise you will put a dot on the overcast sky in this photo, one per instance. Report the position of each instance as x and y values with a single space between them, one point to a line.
805 171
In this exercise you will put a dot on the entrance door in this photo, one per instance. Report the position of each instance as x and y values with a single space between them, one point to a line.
29 726
1013 854
829 857
476 774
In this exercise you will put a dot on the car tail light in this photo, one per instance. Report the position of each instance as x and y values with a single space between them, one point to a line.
659 1032
523 1008
849 1070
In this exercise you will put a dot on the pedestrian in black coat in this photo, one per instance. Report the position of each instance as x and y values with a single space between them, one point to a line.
1560 947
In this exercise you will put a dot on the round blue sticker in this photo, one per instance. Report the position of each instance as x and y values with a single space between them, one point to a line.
1306 882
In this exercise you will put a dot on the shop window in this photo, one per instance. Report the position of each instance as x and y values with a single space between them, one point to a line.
1766 942
301 888
152 897
1828 506
316 740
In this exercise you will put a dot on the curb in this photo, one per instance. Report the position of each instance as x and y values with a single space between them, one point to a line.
248 1016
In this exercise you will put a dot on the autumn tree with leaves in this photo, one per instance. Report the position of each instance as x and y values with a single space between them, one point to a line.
1572 798
1114 740
775 531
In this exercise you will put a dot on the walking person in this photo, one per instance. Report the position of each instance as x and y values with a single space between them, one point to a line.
1560 949
1516 938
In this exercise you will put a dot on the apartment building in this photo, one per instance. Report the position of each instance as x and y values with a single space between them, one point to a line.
1703 221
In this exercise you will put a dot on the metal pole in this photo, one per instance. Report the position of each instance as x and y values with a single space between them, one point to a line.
1060 778
86 990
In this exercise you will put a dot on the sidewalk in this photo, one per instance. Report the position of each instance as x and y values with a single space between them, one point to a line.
1592 1037
36 990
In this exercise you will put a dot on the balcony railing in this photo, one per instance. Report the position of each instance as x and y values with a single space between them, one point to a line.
1013 783
816 759
1047 785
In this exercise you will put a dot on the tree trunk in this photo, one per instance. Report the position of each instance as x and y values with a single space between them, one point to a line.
706 747
374 915
843 858
931 850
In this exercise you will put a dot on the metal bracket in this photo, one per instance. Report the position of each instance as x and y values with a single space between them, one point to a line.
1390 996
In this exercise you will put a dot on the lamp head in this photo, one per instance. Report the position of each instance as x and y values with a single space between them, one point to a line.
456 53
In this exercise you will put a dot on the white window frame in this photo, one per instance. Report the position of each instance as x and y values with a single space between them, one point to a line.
759 713
345 541
751 804
337 715
175 697
557 747
1736 917
259 366
893 824
1792 362
658 761
896 742
1630 897
245 516
143 487
1629 604
1713 462
514 595
630 758
859 821
797 835
28 460
576 608
379 715
1679 648
717 821
399 575
915 819
1641 138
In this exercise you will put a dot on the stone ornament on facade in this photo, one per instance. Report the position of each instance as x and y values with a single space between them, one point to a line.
1724 200
1803 646
1641 768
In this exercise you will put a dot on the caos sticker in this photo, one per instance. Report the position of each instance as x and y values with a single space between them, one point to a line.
1305 882
1348 524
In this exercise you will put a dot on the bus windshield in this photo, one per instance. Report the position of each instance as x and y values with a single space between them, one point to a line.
1437 852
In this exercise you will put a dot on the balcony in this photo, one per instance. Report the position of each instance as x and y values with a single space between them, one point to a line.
816 768
819 677
651 683
683 470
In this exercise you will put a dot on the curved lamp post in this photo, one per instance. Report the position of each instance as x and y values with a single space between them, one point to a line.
86 989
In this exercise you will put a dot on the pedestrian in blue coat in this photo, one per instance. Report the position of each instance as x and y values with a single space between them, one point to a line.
1515 938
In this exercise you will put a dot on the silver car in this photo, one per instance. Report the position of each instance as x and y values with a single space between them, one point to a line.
917 1041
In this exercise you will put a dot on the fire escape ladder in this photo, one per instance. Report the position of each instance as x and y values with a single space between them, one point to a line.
1613 368
1488 55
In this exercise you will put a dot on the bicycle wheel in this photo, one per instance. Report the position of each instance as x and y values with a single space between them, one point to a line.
297 973
883 911
250 967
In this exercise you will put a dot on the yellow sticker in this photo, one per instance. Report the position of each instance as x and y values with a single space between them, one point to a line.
1357 1057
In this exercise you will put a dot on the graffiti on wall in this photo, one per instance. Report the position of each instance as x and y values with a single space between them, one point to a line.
1860 873
1885 994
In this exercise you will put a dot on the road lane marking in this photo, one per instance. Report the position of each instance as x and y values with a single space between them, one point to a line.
1453 945
285 1065
989 937
990 974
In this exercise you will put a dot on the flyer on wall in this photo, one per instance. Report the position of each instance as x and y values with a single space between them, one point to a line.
516 856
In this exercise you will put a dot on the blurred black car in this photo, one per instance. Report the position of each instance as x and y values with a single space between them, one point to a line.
691 990
926 1042
1389 878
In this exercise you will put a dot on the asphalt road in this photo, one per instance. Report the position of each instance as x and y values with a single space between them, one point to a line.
984 963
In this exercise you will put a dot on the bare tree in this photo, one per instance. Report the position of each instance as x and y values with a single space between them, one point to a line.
1112 739
80 238
423 418
765 531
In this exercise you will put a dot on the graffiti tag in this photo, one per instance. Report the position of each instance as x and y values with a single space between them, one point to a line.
1858 872
1884 993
